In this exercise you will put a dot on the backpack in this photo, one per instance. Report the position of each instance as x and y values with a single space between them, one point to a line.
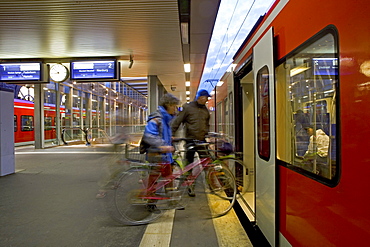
144 146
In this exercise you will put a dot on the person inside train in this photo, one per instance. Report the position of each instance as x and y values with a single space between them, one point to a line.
195 118
317 151
301 122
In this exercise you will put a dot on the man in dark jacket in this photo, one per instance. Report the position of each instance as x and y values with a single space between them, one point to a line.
195 117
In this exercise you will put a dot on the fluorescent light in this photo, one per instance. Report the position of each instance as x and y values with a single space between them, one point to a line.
219 83
299 69
329 91
187 67
187 92
187 98
187 84
185 32
231 67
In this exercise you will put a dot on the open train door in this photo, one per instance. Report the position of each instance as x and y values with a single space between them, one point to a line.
263 69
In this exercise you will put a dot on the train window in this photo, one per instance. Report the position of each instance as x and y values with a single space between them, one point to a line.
310 91
27 123
15 123
263 113
48 123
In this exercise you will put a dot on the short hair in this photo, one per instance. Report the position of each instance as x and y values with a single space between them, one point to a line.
168 99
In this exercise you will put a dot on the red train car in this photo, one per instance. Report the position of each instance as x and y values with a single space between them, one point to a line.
300 99
24 122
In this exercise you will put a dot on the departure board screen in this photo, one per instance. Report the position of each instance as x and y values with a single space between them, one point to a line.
94 70
325 66
13 72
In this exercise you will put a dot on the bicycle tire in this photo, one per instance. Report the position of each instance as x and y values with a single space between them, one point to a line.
132 209
183 185
221 191
234 164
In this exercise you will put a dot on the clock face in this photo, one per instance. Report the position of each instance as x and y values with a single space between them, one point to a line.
58 72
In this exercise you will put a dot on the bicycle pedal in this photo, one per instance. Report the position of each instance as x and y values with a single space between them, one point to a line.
172 189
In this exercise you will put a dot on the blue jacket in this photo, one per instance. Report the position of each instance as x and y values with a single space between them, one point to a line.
159 137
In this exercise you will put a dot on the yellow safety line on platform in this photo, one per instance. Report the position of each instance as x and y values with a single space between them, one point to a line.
229 230
158 234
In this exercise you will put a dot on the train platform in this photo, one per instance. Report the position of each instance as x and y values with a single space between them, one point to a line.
51 201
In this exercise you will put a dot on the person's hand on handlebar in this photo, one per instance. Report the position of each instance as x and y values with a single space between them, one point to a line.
166 149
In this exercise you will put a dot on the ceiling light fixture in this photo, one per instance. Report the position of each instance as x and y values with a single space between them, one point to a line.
187 67
185 33
299 69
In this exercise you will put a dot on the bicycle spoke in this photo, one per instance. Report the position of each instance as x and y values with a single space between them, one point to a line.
238 168
221 191
183 186
131 201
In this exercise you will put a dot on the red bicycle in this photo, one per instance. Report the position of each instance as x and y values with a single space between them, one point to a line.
143 192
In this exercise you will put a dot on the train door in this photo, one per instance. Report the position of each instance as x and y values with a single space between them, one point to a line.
265 190
248 193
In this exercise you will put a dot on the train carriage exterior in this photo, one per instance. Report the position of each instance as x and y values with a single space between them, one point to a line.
305 65
24 122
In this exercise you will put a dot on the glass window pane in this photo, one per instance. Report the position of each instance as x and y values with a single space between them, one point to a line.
27 123
313 76
263 113
15 123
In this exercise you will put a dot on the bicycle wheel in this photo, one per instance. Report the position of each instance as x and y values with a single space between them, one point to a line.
128 198
237 167
183 185
221 191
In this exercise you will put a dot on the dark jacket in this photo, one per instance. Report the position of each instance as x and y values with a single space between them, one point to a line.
195 117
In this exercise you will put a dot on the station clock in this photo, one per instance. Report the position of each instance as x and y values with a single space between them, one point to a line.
58 72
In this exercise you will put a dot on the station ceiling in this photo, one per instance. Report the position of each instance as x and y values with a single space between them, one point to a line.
148 32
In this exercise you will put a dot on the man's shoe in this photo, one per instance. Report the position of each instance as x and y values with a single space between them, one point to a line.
152 208
191 191
179 207
176 205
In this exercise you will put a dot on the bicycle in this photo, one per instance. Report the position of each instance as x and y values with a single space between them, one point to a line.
222 153
141 193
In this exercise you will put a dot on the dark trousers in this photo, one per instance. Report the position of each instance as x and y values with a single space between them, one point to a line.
191 149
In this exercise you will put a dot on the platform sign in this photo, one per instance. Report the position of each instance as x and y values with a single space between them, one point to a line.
11 72
94 70
325 66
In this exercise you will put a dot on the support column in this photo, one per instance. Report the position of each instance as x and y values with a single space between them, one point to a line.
81 105
39 117
155 92
7 161
57 116
102 114
89 111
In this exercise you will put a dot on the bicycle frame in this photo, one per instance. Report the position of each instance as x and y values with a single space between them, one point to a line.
149 192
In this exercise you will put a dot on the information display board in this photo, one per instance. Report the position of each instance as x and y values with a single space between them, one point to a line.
325 66
97 70
21 72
